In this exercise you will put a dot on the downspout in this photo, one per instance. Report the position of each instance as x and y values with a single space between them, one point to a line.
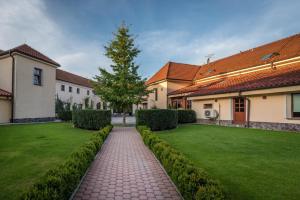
12 87
248 112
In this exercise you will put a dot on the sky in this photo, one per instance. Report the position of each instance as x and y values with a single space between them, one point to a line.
74 33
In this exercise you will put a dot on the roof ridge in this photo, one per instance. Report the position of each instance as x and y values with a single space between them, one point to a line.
75 74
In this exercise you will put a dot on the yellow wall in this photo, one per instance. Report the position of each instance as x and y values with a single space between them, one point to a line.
6 74
5 111
272 109
33 101
164 88
222 106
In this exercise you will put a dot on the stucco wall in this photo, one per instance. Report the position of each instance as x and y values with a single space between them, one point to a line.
32 101
223 106
272 109
73 97
5 111
6 74
162 95
163 89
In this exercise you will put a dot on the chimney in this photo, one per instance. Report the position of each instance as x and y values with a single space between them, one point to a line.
208 60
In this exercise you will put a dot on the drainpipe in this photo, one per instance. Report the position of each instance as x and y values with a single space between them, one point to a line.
248 112
12 87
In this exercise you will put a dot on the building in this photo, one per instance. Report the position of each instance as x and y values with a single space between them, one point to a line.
27 85
30 83
257 88
76 90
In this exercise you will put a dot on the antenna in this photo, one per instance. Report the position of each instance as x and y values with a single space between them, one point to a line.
208 57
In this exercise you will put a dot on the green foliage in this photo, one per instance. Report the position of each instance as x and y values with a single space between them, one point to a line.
157 119
192 182
186 116
91 119
60 182
123 87
63 110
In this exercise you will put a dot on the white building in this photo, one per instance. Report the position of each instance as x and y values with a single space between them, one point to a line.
75 89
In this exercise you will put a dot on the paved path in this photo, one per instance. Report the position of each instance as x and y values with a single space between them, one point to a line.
126 169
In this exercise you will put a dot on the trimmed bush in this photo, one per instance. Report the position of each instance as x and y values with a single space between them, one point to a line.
91 119
192 182
186 116
65 115
60 182
157 119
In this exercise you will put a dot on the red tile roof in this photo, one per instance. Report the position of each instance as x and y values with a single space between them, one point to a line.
72 78
268 78
28 51
175 71
4 93
287 48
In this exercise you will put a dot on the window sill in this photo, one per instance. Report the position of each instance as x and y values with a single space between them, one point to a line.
293 118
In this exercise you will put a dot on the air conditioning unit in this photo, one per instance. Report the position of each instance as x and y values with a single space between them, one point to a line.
210 113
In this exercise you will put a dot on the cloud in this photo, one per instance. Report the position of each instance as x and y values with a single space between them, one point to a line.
277 21
24 21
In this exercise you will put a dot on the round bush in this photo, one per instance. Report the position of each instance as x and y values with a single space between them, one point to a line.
157 119
91 119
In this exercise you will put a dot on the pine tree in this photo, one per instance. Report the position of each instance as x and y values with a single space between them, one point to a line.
122 87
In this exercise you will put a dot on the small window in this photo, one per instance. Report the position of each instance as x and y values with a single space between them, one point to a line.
62 88
296 105
78 90
70 89
208 106
93 91
104 106
98 106
156 94
189 104
88 92
80 106
37 76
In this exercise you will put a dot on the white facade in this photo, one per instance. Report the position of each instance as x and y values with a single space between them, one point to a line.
77 94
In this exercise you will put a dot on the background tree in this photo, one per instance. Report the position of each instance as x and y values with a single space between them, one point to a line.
122 87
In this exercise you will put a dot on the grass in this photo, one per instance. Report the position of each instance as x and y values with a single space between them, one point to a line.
250 163
28 151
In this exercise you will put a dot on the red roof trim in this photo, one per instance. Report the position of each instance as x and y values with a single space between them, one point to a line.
4 93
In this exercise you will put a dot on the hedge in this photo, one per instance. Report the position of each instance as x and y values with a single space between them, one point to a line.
186 116
91 119
60 182
65 115
157 119
192 182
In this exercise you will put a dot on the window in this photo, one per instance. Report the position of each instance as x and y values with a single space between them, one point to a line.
80 106
78 90
239 105
296 105
189 104
62 88
98 106
156 94
70 89
104 106
93 91
208 106
37 76
88 92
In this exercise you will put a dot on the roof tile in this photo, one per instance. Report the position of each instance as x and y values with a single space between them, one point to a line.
72 78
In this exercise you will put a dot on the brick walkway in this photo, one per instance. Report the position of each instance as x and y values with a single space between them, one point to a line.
126 169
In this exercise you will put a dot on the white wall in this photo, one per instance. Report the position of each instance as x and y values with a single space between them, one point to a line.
73 97
6 74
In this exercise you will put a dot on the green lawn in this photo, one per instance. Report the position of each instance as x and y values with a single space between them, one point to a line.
251 164
28 151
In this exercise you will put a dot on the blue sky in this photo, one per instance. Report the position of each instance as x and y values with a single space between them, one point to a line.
74 32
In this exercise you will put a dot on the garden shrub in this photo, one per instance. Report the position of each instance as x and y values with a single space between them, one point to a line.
60 182
65 115
91 119
157 119
193 182
186 116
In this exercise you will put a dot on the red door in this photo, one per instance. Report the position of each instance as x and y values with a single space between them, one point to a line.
239 110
